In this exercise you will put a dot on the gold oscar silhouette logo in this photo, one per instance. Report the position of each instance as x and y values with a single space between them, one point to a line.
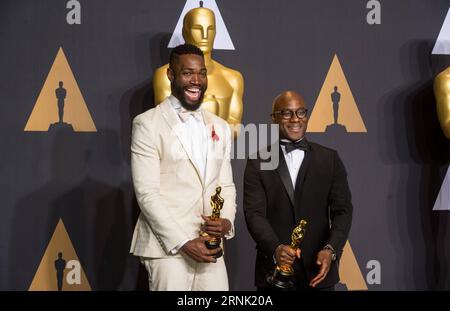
335 108
60 268
60 102
349 271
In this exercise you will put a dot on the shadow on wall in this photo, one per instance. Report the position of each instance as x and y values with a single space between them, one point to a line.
85 192
139 98
151 50
410 136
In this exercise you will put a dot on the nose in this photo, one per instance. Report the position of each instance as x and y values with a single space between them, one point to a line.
294 118
195 79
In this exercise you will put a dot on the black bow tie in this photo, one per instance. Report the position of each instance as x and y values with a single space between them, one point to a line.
290 146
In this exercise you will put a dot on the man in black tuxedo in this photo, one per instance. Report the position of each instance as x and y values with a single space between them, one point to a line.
309 183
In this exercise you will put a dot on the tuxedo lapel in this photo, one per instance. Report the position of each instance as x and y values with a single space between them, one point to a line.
174 123
283 172
309 154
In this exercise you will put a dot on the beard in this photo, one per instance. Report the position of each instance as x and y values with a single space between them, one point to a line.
191 106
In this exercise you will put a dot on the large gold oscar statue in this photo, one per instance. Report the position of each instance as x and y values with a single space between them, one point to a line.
225 86
442 93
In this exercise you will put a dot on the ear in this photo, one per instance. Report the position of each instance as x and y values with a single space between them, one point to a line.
170 74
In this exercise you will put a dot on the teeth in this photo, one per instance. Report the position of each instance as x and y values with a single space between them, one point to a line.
193 93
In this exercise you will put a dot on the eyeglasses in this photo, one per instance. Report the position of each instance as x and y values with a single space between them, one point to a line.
288 114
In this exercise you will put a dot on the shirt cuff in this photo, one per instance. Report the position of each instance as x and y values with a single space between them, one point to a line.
176 249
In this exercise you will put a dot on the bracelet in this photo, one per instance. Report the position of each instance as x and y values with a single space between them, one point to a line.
333 252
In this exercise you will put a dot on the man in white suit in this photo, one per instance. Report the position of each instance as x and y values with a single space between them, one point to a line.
180 154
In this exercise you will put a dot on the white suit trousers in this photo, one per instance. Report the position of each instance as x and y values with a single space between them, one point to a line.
185 274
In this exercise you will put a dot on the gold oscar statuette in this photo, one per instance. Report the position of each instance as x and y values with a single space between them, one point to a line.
216 205
281 277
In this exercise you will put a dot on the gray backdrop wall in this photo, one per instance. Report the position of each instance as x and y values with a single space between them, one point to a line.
395 169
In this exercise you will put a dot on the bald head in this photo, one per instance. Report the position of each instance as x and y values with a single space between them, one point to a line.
289 111
282 99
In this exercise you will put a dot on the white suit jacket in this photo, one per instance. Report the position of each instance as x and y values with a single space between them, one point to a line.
171 193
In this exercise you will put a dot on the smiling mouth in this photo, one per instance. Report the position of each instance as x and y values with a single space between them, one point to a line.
193 94
294 128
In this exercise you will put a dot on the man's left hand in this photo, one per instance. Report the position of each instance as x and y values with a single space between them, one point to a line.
324 262
217 228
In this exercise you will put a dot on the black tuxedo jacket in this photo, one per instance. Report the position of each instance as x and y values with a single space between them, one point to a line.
272 209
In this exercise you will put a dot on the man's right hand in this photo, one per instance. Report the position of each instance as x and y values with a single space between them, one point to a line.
285 255
197 250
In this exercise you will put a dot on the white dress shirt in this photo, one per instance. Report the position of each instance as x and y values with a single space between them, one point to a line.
294 160
194 133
